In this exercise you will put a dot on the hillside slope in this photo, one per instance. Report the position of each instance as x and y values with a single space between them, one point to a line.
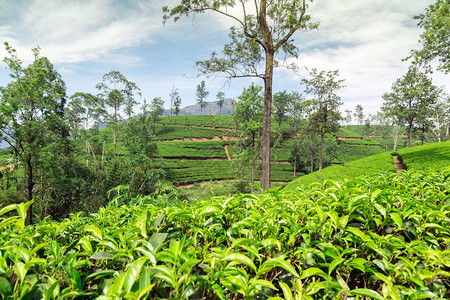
431 156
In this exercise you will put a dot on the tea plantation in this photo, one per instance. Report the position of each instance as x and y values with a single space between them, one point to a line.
380 236
188 143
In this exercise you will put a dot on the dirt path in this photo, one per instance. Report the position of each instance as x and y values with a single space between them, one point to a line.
215 138
398 163
9 166
340 138
226 152
199 126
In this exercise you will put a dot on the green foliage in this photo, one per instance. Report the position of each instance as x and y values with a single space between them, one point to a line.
431 156
201 94
281 103
203 121
436 35
32 117
323 113
156 110
383 237
206 150
171 132
410 99
190 171
220 100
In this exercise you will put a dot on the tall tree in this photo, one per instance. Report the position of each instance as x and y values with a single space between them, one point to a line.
296 111
281 101
410 98
325 115
220 100
177 105
117 90
264 31
201 94
248 115
359 115
175 102
435 38
348 116
156 110
86 109
440 118
32 114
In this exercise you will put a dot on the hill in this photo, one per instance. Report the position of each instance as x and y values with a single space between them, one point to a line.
430 156
211 109
198 148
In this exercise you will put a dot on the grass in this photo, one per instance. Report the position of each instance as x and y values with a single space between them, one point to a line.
171 132
190 171
207 121
431 156
360 142
206 150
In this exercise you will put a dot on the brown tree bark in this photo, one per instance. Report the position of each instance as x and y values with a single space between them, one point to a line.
30 185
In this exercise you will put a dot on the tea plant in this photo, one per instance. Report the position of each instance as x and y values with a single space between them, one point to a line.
381 237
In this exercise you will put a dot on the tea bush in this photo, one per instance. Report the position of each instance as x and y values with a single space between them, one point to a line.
383 236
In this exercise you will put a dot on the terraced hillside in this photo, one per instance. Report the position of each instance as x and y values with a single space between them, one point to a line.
202 148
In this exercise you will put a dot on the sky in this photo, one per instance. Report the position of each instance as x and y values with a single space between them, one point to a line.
365 40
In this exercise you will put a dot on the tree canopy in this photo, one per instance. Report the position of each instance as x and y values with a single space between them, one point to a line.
32 114
263 32
435 39
410 98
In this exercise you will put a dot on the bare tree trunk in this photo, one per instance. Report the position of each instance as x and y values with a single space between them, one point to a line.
265 169
295 165
253 163
87 153
114 135
322 135
410 135
30 186
87 144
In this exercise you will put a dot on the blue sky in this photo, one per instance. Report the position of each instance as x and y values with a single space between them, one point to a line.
365 39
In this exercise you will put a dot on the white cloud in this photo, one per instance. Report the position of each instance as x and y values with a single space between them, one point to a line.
80 30
365 40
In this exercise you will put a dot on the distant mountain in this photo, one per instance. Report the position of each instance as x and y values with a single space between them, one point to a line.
211 109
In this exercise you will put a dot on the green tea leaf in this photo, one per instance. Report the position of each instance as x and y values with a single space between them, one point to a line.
367 293
143 292
334 264
241 259
133 272
219 291
263 283
95 231
158 221
397 219
8 208
116 288
277 262
102 255
157 239
313 272
5 288
287 293
165 274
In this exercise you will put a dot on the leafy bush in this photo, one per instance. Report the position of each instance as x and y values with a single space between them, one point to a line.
207 150
383 237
